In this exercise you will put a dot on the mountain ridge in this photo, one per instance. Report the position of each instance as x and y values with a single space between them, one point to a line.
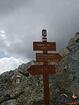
18 87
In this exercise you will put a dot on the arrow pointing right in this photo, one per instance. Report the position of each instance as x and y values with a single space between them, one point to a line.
54 57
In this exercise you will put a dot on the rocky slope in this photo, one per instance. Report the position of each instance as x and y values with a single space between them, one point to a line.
20 88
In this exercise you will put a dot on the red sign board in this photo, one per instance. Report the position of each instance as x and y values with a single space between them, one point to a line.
54 57
38 69
41 46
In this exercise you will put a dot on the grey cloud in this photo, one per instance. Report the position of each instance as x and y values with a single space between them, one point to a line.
10 6
59 17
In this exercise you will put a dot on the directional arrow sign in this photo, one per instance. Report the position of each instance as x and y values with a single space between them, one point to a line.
41 46
38 69
54 57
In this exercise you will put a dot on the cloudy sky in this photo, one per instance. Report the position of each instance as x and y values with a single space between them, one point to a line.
21 22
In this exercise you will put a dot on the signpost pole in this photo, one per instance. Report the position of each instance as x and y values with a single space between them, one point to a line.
45 74
46 87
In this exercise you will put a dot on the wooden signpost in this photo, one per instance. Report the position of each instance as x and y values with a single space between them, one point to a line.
45 57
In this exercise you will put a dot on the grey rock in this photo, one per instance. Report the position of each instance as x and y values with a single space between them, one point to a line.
18 87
